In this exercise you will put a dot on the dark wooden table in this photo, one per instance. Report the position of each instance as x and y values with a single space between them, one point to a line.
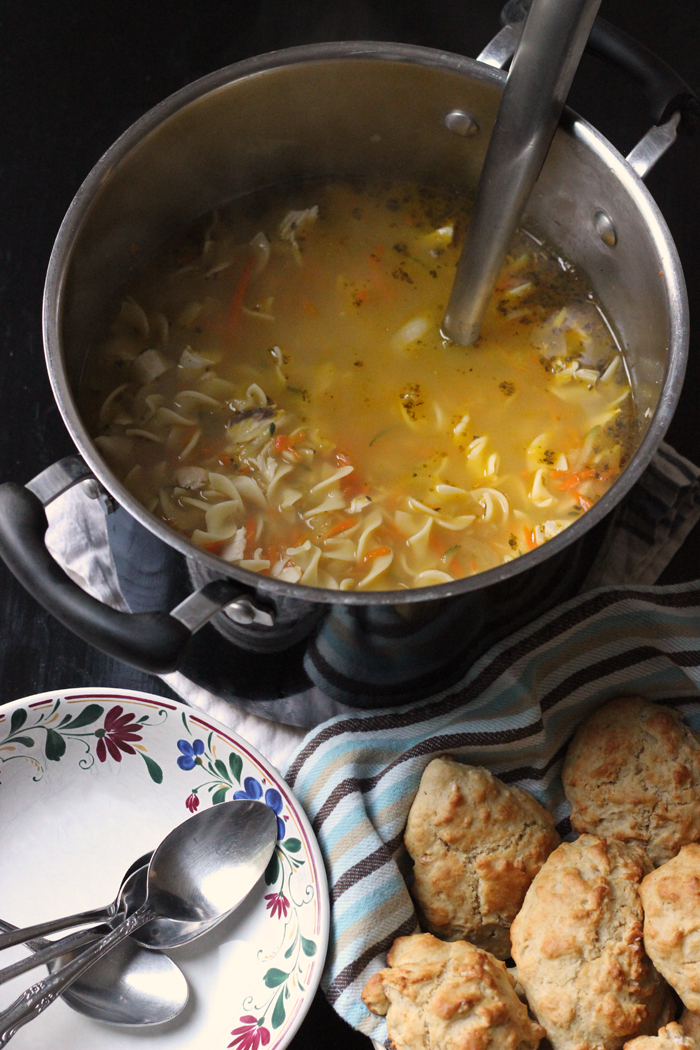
73 75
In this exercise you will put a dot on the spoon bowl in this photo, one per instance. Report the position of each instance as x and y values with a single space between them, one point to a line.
129 986
200 872
163 933
206 866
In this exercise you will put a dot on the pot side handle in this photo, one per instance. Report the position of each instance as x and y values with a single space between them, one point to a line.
666 92
153 641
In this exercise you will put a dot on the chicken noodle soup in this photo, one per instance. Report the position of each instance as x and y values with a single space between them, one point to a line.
277 389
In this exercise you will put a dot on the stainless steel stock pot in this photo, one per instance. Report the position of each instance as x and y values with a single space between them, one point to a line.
342 108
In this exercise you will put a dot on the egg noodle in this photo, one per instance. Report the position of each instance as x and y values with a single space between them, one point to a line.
275 386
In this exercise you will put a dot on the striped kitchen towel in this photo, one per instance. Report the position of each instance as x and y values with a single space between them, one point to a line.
514 713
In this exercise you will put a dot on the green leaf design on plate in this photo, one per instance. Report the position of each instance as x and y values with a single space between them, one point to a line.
55 746
290 950
219 796
184 722
274 977
221 769
19 717
308 947
87 716
236 763
25 741
278 1013
272 870
154 770
293 845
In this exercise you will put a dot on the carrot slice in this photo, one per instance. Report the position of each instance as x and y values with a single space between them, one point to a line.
342 526
214 547
529 539
584 503
572 480
251 528
376 553
241 288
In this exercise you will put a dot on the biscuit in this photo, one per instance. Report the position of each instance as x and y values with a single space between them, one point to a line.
632 772
577 944
439 995
476 844
672 1037
690 1023
671 901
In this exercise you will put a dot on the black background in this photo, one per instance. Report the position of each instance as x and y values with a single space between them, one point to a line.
74 75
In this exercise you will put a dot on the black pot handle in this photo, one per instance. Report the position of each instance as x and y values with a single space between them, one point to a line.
666 92
152 641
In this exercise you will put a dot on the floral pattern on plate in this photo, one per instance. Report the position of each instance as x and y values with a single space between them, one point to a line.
125 741
119 734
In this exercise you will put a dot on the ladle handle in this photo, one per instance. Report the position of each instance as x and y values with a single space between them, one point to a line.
666 92
540 76
38 997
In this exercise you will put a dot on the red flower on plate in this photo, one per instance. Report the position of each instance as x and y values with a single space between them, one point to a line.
277 904
250 1035
192 803
117 733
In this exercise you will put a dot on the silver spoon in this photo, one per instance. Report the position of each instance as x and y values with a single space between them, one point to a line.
15 935
539 79
157 934
163 933
132 893
130 986
200 872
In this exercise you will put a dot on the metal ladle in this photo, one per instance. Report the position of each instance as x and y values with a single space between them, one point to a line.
550 49
200 873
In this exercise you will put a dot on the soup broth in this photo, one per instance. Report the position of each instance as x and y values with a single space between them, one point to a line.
276 387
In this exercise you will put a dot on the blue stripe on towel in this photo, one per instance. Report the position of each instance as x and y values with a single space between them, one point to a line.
513 712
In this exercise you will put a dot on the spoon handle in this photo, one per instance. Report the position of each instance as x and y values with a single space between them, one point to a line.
50 950
39 996
27 933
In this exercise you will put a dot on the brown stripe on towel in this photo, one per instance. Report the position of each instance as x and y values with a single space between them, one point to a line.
444 742
447 742
354 969
570 618
367 866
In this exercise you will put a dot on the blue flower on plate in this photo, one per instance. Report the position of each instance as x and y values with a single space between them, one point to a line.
190 753
253 791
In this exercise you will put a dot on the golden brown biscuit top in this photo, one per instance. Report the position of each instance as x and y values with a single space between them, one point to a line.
671 900
449 996
476 843
577 944
672 1037
632 773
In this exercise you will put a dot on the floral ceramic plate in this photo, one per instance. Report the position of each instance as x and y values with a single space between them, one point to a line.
92 779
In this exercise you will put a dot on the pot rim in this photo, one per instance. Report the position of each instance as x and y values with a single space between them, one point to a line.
572 124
